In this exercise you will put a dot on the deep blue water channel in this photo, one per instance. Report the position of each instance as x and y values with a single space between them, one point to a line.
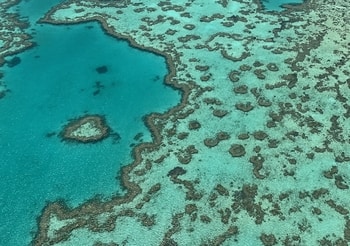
57 81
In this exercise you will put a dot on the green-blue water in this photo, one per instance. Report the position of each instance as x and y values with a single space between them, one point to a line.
54 82
276 4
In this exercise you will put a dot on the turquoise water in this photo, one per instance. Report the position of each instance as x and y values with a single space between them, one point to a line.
57 81
33 10
276 4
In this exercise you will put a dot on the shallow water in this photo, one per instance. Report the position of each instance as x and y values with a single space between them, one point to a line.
276 5
57 81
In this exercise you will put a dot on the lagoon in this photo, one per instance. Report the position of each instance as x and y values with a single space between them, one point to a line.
57 81
276 5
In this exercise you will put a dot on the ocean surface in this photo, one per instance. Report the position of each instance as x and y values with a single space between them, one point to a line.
276 5
57 81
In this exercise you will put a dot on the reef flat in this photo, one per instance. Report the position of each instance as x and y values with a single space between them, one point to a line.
61 78
86 129
13 38
258 151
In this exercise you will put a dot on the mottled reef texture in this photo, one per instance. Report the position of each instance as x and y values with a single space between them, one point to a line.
257 153
13 37
86 129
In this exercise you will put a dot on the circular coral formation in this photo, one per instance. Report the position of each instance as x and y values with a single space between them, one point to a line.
202 68
245 107
233 76
242 89
245 67
260 135
184 158
211 142
268 239
237 150
189 26
177 171
205 78
259 73
86 129
220 113
264 102
222 136
194 125
272 67
243 136
257 64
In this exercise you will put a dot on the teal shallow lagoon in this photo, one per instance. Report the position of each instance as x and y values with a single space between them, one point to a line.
276 5
56 81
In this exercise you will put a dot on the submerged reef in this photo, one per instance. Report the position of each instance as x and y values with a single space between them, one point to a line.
86 129
3 88
257 152
13 36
